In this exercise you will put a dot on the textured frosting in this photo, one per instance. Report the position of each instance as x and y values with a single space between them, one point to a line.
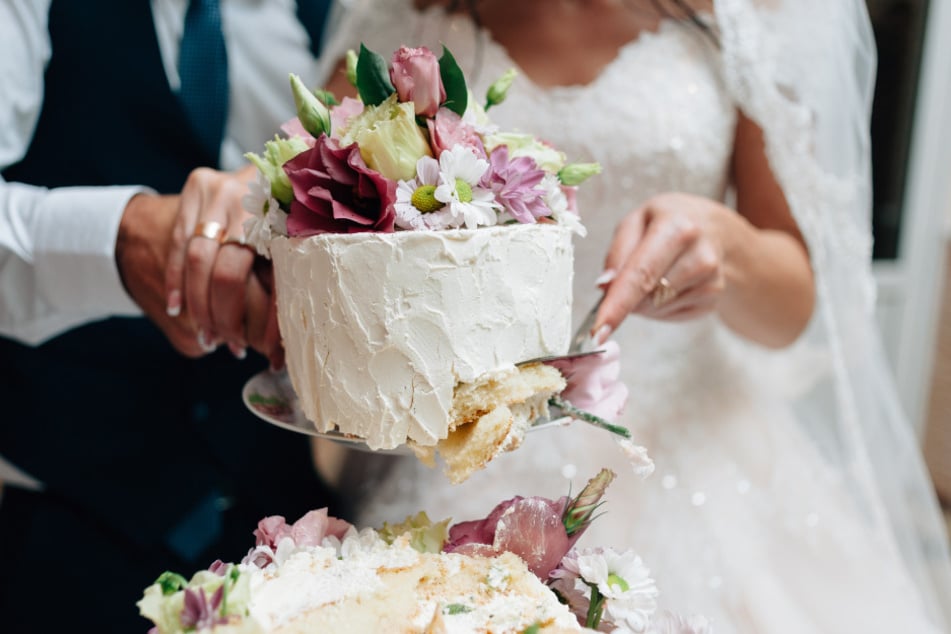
378 328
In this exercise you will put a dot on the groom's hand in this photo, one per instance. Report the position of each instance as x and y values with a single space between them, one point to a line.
141 253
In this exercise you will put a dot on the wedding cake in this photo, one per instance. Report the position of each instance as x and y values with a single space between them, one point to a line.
367 585
421 257
380 328
515 571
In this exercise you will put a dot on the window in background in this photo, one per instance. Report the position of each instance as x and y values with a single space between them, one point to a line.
899 27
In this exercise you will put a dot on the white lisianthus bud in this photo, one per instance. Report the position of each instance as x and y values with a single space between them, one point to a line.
352 67
576 173
499 89
313 114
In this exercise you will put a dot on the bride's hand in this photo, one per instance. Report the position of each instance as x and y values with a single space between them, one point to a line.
208 270
665 262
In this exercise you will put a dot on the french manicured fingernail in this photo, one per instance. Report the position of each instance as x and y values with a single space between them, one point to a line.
239 352
173 307
602 334
606 278
207 344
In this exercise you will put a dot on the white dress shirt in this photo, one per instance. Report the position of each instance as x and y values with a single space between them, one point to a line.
57 260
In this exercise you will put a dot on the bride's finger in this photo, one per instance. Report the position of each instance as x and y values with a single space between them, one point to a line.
627 235
662 244
698 266
692 310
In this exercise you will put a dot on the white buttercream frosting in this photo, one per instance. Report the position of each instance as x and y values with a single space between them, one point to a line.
378 328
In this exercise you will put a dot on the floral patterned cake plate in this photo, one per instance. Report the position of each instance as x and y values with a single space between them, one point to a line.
270 396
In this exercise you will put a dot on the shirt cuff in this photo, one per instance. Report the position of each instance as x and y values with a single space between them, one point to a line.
75 250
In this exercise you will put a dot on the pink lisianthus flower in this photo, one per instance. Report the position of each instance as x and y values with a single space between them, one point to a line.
515 184
271 530
447 130
315 526
294 128
340 115
335 192
415 75
593 381
309 530
531 528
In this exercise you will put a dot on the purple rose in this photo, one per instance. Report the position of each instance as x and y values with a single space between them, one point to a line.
415 74
335 192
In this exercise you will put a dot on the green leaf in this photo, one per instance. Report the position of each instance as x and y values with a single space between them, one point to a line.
457 95
456 608
373 77
534 628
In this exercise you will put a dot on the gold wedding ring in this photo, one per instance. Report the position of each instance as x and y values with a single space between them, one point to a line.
210 230
663 293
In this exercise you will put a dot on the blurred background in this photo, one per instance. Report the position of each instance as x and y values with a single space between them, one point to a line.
911 155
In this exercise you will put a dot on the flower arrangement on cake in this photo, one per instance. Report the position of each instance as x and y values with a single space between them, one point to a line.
416 151
517 571
422 259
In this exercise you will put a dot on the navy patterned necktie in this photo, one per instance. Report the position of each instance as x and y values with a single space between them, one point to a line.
203 69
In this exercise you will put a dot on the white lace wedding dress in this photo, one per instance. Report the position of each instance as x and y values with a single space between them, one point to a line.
743 521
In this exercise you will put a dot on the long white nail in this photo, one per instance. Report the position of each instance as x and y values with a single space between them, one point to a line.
606 278
173 307
239 352
204 343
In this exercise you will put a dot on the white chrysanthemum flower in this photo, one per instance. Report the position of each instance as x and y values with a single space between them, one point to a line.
267 221
625 582
459 173
556 200
416 205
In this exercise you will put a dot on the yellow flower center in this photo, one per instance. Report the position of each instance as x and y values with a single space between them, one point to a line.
424 199
615 580
463 191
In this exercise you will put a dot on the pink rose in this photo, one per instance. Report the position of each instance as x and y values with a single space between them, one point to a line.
335 192
593 382
415 74
447 129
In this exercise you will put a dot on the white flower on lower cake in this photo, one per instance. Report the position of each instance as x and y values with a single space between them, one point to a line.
619 581
267 219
